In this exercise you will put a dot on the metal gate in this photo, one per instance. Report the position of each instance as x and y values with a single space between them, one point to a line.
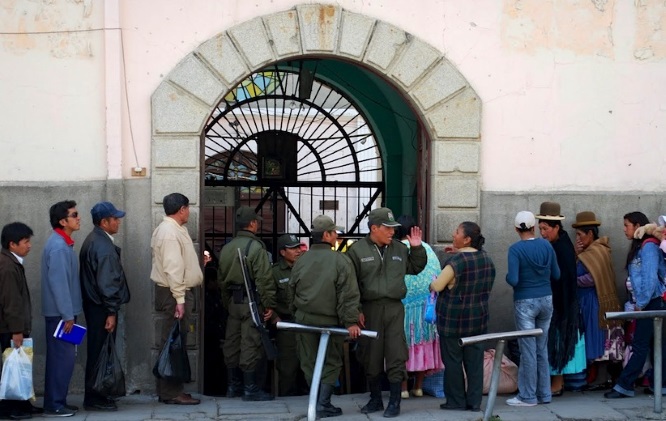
293 147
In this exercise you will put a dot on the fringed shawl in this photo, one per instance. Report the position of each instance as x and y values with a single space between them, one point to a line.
597 261
564 325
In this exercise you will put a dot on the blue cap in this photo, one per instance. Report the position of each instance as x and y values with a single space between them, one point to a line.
105 210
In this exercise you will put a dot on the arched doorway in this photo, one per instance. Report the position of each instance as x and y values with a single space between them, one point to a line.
446 108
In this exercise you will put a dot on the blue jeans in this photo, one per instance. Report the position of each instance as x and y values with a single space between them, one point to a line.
640 348
534 371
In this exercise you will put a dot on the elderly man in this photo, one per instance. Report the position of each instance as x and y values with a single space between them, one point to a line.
381 264
104 290
176 270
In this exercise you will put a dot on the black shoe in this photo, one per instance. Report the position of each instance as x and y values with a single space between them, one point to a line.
473 408
451 406
373 405
614 394
100 406
19 415
62 412
71 407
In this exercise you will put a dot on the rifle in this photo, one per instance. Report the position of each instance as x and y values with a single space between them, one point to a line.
250 288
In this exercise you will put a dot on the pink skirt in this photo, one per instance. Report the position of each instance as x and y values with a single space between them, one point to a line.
425 356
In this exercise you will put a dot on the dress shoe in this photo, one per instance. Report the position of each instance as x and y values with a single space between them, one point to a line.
19 415
100 405
614 394
181 399
473 408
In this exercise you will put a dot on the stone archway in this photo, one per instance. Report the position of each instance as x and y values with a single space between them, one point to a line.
448 107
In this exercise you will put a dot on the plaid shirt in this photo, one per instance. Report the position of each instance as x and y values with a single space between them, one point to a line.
463 310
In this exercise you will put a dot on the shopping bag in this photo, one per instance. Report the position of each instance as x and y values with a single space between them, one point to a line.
508 381
16 379
108 377
430 313
173 363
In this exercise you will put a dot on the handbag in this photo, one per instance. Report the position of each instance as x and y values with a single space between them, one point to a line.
430 311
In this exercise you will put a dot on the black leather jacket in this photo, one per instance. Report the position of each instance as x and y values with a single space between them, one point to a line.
102 277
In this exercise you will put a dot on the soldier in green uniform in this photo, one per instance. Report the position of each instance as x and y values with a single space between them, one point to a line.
325 293
242 346
381 263
287 363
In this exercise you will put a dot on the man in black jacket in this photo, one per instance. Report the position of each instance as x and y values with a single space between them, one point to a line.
103 289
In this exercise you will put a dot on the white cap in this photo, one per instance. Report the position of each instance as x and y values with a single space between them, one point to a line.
525 220
662 220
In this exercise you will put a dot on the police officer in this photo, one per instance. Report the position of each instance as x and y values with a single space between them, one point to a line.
287 364
242 346
381 263
325 293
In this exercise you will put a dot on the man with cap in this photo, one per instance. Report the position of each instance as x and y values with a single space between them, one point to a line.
324 297
381 264
103 290
176 271
289 249
242 346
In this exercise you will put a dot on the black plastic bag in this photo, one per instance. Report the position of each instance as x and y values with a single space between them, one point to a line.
173 363
109 379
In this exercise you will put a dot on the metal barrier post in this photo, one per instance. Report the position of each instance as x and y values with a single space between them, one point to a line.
497 363
325 333
657 317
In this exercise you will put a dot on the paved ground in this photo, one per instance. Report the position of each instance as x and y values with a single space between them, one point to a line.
571 406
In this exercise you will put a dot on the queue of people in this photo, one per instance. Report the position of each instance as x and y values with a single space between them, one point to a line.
381 283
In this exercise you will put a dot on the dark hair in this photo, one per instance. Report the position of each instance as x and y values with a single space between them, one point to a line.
636 243
14 233
551 223
473 231
522 224
407 222
317 236
60 211
173 202
589 228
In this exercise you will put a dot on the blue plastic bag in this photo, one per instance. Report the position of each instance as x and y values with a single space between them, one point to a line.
430 313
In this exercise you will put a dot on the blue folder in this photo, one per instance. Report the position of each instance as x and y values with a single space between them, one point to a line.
75 336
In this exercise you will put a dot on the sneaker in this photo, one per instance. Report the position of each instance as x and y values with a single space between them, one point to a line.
517 402
62 412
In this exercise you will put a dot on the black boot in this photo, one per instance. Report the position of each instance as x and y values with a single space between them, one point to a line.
324 407
393 408
252 391
375 403
234 386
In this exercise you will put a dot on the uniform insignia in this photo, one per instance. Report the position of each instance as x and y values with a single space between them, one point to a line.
367 259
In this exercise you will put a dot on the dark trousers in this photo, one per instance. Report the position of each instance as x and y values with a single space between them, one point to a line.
389 350
7 407
287 363
455 358
242 344
640 347
166 305
308 346
60 359
96 335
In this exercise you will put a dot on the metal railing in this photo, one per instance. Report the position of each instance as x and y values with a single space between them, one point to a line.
657 317
497 363
325 334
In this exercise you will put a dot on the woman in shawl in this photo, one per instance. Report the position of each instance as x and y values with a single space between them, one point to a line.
597 294
566 346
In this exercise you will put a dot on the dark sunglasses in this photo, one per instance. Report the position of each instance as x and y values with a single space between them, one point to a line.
73 215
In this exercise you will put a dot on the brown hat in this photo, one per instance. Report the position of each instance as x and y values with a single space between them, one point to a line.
586 219
550 211
246 214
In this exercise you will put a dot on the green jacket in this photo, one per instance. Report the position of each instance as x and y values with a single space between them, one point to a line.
230 273
281 275
383 276
323 284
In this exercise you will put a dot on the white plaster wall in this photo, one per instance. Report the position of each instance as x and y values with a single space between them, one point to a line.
573 90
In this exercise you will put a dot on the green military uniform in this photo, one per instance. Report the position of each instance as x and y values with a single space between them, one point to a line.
287 362
242 345
381 278
325 293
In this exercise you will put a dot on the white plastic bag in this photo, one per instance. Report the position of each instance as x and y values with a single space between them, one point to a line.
16 380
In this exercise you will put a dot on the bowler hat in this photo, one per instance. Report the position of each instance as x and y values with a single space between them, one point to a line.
586 219
550 211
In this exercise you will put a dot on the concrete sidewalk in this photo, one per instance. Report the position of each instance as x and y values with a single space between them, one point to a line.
571 406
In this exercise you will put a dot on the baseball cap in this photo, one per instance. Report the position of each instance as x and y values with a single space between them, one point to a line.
324 223
103 210
382 216
525 220
246 214
288 241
